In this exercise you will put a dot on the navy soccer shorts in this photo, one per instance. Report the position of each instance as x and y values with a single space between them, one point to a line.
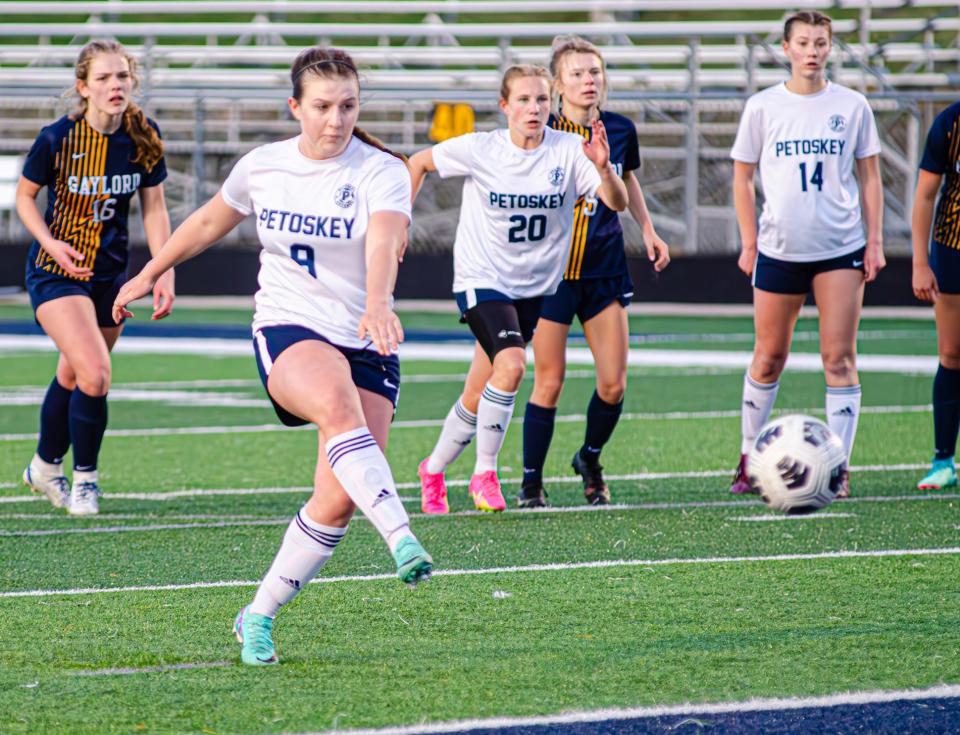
945 263
496 320
781 276
585 298
43 287
369 370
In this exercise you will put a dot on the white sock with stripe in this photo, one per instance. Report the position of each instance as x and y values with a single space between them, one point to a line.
306 547
758 401
493 418
843 413
363 471
458 431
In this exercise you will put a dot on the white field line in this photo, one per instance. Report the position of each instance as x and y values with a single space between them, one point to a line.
806 362
768 518
563 567
229 522
174 494
152 669
941 691
433 423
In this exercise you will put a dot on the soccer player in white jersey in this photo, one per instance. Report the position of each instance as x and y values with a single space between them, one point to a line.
819 230
511 245
332 208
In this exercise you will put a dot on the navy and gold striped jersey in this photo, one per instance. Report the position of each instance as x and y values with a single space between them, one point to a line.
90 180
942 156
596 248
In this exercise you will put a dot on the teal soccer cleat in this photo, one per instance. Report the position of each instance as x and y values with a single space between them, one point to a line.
942 475
255 635
413 562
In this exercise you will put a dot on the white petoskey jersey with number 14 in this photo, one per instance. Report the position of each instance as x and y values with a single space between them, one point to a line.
807 147
517 209
312 219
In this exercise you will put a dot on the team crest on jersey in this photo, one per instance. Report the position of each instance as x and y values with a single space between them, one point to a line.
837 123
556 176
345 196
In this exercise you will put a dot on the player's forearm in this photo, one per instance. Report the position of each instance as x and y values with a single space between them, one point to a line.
872 202
920 222
198 232
156 226
419 164
745 206
382 263
613 192
637 205
32 219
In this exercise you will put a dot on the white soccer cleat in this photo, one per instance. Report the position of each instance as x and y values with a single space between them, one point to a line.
53 485
84 495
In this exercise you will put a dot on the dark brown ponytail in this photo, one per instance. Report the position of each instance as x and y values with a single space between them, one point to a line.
331 63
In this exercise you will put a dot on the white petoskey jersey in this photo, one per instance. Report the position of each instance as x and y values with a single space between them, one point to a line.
517 209
806 147
312 219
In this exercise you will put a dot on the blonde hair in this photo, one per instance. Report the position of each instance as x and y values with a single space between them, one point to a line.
572 44
146 142
334 63
518 71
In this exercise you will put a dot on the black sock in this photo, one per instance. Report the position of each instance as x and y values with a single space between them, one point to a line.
602 419
946 411
88 421
54 423
537 433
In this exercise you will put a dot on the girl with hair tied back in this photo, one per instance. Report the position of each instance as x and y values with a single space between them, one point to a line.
332 208
92 162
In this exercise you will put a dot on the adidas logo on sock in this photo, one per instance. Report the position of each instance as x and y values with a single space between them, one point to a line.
295 583
462 444
751 404
845 411
381 496
495 427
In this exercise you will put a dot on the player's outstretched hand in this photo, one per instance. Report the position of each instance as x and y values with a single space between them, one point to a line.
163 296
925 284
657 251
382 327
598 147
132 290
68 258
874 261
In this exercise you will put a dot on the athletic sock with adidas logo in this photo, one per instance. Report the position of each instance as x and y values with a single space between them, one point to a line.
459 428
363 472
493 418
843 412
306 547
757 404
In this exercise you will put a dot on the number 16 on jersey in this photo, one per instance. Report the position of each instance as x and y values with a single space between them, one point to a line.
816 179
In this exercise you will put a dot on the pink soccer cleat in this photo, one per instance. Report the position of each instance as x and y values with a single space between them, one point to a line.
741 485
485 491
433 491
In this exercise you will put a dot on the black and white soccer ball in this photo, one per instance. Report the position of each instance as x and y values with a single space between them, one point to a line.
797 464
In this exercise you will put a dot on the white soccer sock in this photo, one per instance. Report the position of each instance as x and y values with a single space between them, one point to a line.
493 418
364 473
44 468
458 431
843 412
758 401
306 547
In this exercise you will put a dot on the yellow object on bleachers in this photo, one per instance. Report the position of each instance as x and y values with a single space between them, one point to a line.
450 120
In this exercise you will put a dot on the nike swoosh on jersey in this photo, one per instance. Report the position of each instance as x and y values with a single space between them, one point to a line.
78 155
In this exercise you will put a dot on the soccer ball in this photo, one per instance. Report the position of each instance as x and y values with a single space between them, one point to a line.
797 464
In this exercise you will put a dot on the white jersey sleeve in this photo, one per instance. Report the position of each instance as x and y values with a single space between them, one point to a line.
806 147
389 189
454 157
235 191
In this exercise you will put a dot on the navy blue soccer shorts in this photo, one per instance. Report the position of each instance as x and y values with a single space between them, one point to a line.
945 263
585 298
369 370
496 320
781 276
102 290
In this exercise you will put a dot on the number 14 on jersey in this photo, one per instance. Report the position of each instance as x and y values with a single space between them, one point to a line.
816 179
